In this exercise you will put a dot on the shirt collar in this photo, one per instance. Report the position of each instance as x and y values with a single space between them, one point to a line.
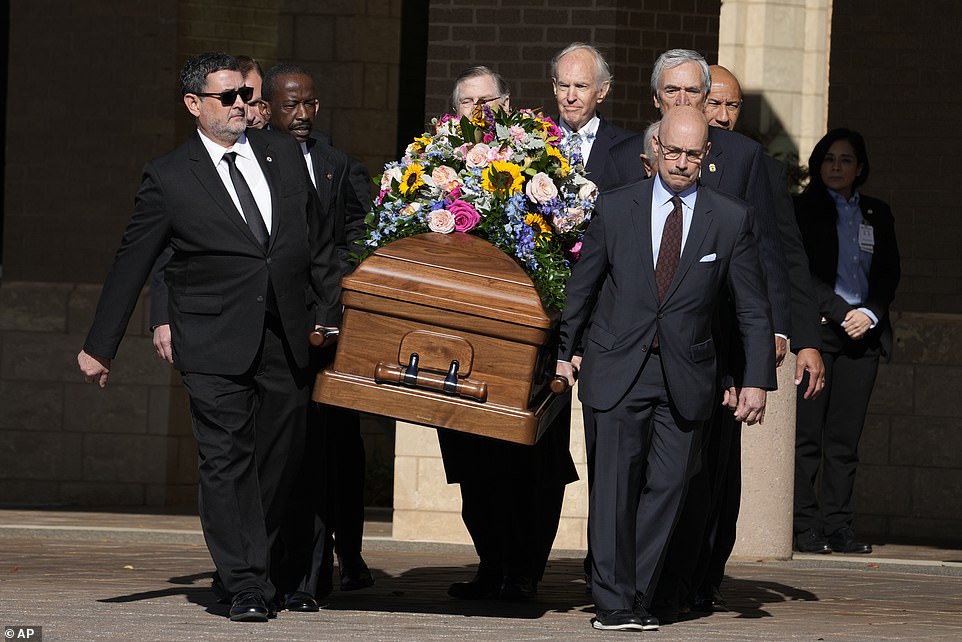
841 200
589 130
241 146
662 194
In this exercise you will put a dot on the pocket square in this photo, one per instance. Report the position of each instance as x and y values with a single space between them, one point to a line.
708 258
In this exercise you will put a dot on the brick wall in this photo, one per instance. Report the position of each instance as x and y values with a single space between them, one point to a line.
351 48
892 78
518 39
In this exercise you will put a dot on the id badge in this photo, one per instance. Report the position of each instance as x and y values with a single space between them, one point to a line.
866 238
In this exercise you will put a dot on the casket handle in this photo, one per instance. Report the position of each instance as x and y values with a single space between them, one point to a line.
559 385
318 338
388 373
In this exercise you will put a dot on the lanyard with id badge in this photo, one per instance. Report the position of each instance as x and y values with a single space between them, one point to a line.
866 237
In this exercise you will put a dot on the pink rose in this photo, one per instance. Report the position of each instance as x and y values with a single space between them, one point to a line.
466 218
552 133
488 137
477 156
541 188
441 221
445 178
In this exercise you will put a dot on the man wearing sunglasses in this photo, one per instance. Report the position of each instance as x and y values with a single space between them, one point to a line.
247 280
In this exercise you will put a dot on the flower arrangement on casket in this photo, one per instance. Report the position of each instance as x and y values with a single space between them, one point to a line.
504 176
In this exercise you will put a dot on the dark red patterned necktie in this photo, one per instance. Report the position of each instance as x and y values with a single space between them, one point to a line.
669 252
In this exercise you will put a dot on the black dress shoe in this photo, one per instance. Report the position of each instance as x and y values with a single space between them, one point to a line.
648 621
250 606
843 541
354 574
616 620
518 587
477 589
301 602
811 541
710 600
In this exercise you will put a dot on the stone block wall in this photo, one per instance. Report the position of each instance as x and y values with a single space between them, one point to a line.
909 480
63 441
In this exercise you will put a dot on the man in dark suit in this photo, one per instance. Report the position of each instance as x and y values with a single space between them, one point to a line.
511 495
581 80
723 465
159 322
252 271
328 506
735 166
656 262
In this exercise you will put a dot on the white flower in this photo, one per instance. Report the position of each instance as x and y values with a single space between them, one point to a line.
441 221
588 191
478 156
394 173
541 188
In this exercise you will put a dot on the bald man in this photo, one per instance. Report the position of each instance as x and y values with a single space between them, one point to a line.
648 373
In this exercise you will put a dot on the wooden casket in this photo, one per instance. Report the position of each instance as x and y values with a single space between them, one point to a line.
445 330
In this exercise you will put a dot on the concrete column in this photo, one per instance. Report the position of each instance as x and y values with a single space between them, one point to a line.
779 50
768 476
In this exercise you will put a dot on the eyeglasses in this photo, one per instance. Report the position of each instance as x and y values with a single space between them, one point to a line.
228 97
674 153
465 102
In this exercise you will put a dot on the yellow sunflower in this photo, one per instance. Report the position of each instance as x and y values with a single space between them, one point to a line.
554 152
502 178
412 179
541 226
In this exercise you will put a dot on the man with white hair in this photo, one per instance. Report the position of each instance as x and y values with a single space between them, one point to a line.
582 79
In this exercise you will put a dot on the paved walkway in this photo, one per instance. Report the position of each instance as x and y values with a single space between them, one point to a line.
116 576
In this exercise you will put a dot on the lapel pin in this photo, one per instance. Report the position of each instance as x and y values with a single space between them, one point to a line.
329 176
711 167
270 160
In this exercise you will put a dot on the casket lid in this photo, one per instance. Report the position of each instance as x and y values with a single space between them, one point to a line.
458 272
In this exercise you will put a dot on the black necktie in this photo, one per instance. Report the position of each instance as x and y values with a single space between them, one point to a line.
669 252
248 205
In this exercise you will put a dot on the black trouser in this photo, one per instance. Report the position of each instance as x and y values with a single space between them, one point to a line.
250 432
827 433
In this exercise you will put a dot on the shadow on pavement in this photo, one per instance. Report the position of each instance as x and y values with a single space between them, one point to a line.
424 590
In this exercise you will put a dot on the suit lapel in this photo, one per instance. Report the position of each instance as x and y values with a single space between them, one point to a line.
599 149
714 165
641 219
701 221
265 158
208 178
323 171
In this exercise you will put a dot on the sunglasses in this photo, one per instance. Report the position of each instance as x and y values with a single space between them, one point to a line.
227 98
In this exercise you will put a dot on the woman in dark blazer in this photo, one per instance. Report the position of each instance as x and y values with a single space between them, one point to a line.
850 241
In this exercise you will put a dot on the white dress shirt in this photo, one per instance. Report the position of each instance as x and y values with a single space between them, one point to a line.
249 168
661 207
